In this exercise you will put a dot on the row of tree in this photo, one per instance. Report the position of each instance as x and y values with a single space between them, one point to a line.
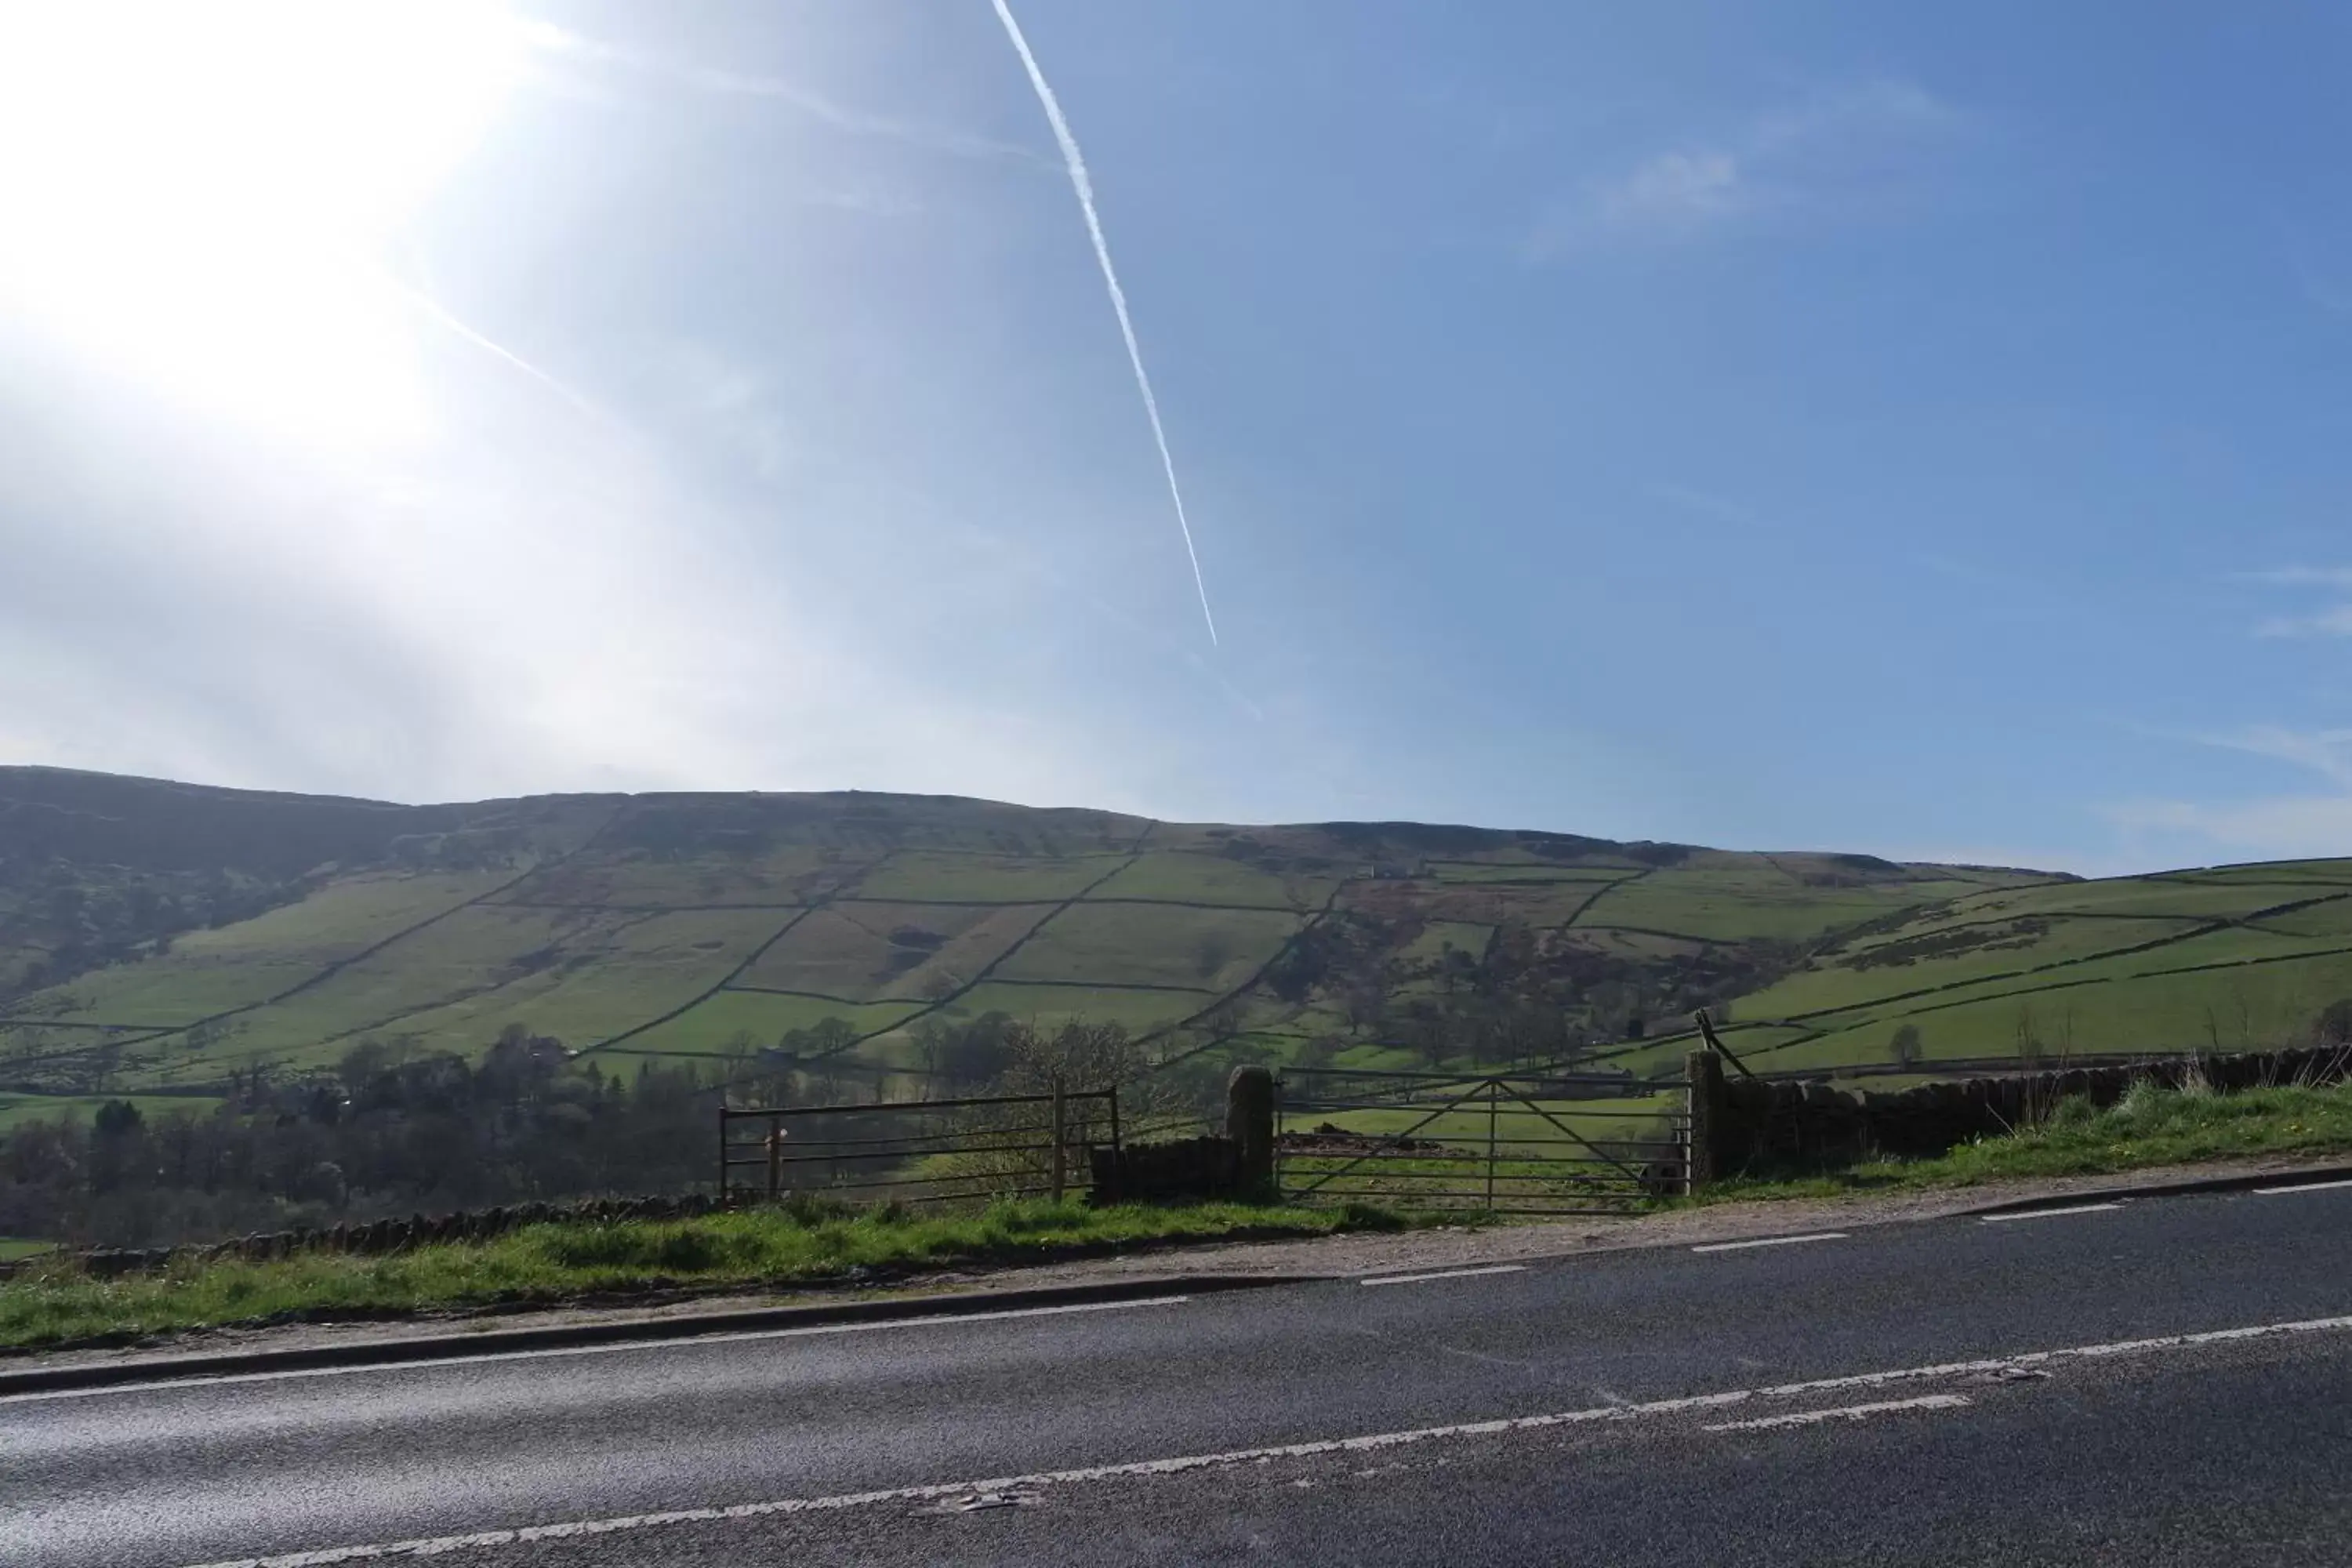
391 1131
384 1132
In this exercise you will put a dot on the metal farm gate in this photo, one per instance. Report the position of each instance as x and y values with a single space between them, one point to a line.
1538 1144
934 1150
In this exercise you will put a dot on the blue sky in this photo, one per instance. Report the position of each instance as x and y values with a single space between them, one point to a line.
1921 431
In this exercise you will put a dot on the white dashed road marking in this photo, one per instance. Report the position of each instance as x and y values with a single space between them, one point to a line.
2305 1187
1770 1241
1446 1274
1842 1413
2049 1213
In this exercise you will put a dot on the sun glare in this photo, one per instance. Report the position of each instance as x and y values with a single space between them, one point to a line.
201 194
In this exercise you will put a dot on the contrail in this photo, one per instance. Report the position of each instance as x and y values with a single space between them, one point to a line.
1085 189
424 304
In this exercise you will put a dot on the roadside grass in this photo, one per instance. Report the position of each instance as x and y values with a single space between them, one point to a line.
809 1243
2149 1126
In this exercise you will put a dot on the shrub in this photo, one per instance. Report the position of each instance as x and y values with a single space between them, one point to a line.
2072 1111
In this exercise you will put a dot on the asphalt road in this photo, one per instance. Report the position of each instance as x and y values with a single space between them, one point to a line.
1935 1430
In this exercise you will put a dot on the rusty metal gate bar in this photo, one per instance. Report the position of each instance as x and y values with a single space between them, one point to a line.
933 1151
1536 1152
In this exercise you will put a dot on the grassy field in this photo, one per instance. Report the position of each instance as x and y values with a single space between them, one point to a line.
1048 1004
985 878
711 1027
552 1263
18 1109
863 949
1119 945
2235 959
1214 880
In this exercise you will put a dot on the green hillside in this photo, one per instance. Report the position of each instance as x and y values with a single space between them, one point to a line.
852 930
169 940
2228 958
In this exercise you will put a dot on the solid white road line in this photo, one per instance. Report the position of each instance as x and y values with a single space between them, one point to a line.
2048 1214
1770 1241
2305 1187
1446 1274
435 1545
733 1338
1842 1413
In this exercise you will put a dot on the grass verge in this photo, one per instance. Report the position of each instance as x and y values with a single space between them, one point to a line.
2149 1126
48 1307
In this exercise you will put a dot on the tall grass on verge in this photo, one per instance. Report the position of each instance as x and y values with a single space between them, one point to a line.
808 1241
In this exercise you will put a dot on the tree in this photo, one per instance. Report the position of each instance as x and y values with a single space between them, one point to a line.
117 1119
1079 1055
1221 1021
1428 1030
2029 1050
1902 1046
1083 1056
825 1037
963 1055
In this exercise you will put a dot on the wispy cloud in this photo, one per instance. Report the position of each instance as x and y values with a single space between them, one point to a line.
2285 825
2279 827
563 44
1830 149
1679 190
2325 752
2333 621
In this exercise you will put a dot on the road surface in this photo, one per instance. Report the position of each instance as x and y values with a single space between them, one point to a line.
2165 1382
